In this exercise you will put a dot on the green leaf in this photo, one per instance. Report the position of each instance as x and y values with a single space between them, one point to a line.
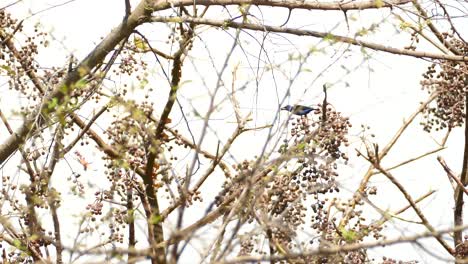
313 49
404 25
138 115
83 70
301 146
176 19
140 44
348 235
125 165
185 82
329 37
19 245
143 83
283 148
244 9
81 83
64 89
379 3
362 32
155 219
131 216
8 70
52 103
226 24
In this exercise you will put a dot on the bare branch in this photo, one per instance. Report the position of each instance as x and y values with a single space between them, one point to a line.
411 201
295 4
411 160
434 29
344 248
381 155
121 32
451 174
302 32
459 203
85 129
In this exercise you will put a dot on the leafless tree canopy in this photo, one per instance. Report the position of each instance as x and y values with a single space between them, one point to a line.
154 147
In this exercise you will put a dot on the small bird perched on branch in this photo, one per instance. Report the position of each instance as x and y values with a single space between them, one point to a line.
300 110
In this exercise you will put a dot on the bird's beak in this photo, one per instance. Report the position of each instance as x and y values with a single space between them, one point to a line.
283 108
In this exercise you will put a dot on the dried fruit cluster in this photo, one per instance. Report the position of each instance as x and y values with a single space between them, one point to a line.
450 80
19 64
299 196
130 136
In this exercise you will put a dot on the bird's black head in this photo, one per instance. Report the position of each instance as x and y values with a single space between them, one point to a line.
287 108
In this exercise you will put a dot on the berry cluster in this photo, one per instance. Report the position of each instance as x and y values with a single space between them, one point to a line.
450 80
298 196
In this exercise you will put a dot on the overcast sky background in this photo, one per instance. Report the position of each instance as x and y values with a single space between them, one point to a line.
381 93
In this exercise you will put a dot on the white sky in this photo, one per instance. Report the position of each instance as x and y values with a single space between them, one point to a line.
381 93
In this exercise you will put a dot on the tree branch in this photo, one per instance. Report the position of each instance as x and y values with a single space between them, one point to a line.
294 4
381 155
407 196
451 174
312 33
458 212
95 57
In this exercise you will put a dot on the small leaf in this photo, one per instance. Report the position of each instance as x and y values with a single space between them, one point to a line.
379 3
301 146
362 32
283 148
348 235
176 20
83 70
404 25
8 70
243 9
140 44
17 243
313 49
155 219
131 216
143 83
81 83
185 82
330 38
53 103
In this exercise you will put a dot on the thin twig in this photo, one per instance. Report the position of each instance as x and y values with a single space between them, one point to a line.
411 160
451 174
85 129
407 196
381 155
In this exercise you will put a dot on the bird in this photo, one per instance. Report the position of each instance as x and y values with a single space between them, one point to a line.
300 110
